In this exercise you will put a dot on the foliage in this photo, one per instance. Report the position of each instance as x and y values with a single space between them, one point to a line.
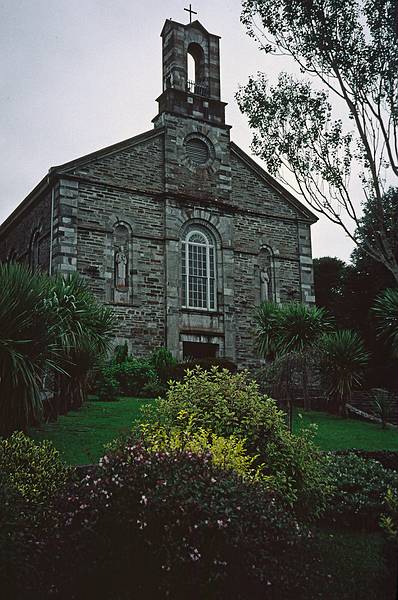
389 519
360 487
226 452
182 528
290 331
348 292
121 353
351 48
343 359
106 385
266 322
83 328
28 346
132 377
386 311
33 470
49 328
329 279
162 360
230 405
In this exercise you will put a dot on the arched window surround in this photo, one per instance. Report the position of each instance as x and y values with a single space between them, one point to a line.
34 249
195 70
198 269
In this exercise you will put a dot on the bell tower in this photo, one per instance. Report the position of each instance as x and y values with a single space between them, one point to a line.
195 91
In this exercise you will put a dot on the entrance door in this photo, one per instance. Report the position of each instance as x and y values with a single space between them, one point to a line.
199 350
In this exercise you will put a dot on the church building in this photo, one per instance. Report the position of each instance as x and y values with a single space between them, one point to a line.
177 229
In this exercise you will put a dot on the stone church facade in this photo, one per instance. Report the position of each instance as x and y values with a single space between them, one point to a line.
177 229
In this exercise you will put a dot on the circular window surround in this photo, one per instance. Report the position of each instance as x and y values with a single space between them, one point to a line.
195 159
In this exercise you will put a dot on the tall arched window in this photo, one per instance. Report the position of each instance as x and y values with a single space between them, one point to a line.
198 270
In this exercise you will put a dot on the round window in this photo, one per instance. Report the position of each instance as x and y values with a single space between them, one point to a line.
197 151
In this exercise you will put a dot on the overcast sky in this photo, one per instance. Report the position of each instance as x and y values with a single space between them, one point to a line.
78 75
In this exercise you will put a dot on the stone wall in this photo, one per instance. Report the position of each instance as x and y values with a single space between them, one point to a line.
15 239
148 187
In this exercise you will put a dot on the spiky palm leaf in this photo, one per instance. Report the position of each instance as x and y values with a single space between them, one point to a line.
343 361
385 309
300 326
28 345
266 317
83 328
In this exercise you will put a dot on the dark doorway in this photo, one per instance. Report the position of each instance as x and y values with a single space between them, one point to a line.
199 350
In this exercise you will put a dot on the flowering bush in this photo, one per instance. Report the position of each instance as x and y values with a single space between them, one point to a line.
360 489
171 524
226 404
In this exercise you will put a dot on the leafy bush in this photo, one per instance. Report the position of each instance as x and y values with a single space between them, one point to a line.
162 360
33 470
360 488
170 524
230 405
106 385
121 353
225 452
30 476
132 377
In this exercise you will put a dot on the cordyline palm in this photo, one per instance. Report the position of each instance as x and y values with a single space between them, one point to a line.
343 359
386 311
83 328
290 328
29 345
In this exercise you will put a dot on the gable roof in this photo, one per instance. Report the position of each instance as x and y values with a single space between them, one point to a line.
306 213
45 184
109 150
195 24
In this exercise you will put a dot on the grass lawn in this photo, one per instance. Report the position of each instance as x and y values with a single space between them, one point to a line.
335 433
80 435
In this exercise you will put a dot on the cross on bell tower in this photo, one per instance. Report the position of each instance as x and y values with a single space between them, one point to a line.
191 12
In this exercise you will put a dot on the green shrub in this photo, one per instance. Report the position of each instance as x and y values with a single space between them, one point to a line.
33 470
132 377
106 385
227 405
360 488
30 476
162 361
121 353
226 452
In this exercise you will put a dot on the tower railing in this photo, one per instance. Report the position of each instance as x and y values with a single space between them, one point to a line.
200 88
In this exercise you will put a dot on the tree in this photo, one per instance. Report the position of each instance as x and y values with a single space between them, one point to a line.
29 346
49 328
290 329
83 328
343 359
350 48
329 284
386 311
